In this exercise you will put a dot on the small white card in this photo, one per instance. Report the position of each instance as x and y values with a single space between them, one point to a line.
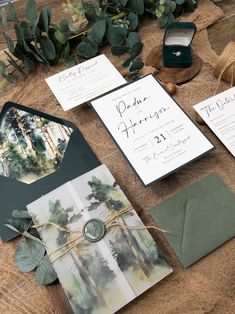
84 82
219 114
153 132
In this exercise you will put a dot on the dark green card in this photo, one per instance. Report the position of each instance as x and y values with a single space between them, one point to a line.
200 219
38 153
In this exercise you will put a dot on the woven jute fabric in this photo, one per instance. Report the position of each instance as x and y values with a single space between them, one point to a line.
206 287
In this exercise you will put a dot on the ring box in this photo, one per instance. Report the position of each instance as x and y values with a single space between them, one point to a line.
176 52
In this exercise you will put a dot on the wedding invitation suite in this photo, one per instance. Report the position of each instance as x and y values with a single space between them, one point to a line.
99 247
84 82
154 133
219 114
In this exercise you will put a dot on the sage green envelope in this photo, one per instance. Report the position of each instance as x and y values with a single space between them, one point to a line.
200 218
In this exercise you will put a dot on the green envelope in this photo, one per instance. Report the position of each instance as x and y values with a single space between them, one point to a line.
199 219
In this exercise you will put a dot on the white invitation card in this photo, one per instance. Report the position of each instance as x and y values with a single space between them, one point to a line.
84 82
153 132
219 114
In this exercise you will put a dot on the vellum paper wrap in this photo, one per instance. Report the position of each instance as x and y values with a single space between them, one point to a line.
98 277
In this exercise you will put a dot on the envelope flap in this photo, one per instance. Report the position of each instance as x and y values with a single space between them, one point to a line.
208 224
169 218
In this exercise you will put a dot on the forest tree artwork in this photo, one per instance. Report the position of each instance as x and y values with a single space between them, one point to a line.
98 277
31 146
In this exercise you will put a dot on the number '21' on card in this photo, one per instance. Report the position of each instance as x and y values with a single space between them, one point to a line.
151 129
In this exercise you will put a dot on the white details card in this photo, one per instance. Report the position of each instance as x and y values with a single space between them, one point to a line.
153 132
219 114
84 82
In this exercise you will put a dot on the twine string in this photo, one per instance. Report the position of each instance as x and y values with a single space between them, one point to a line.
225 66
221 73
109 223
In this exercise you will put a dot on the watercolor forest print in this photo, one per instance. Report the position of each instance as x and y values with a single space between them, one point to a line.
98 277
31 147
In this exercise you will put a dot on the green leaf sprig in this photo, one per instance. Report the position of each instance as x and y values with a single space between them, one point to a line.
36 40
30 254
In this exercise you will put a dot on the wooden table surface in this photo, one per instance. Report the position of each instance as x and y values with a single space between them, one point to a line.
206 287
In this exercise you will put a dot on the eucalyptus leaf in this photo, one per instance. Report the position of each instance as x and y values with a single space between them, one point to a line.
19 223
48 48
64 26
49 14
136 49
64 53
31 10
30 236
87 49
21 214
35 25
12 11
12 228
136 65
162 20
9 42
26 31
28 255
127 63
19 51
3 14
44 22
172 6
133 19
98 30
91 10
133 38
35 52
118 51
116 36
45 273
60 37
20 37
137 6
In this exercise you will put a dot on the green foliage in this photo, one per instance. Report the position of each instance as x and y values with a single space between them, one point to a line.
116 35
12 11
87 48
133 19
112 21
98 30
3 13
37 40
30 254
31 10
45 273
136 6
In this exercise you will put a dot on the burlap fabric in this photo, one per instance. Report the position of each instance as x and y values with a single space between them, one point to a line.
206 287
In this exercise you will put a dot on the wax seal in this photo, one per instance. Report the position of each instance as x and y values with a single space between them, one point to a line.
94 230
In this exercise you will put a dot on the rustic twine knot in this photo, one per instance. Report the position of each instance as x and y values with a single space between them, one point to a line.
225 68
79 237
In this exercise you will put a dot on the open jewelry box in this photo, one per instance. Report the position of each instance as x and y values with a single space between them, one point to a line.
176 51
